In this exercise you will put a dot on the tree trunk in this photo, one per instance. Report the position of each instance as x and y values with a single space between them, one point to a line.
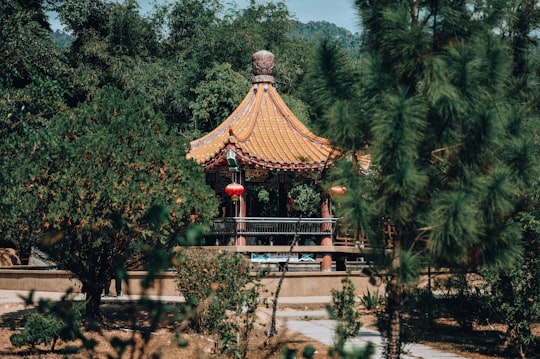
393 343
93 297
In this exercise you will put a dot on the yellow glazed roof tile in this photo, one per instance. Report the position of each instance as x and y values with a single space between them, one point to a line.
263 131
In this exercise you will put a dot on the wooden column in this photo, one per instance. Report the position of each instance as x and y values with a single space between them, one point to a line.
326 264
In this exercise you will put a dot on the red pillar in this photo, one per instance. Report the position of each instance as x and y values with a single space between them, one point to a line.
326 264
241 240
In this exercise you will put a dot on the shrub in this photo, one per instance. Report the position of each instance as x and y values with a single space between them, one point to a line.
343 309
371 300
463 299
307 201
225 293
39 329
47 328
512 300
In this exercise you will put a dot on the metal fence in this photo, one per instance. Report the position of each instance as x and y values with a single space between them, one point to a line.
266 226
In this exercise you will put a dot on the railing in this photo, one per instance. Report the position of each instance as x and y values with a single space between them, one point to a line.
285 226
349 241
268 226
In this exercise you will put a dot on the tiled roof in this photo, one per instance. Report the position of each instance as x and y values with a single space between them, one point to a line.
263 132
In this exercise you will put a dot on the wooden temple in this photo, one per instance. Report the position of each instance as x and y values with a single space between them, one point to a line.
258 154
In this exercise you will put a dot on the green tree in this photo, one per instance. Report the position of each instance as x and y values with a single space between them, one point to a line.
48 326
33 87
34 76
256 27
110 39
190 44
162 83
25 41
217 97
511 290
189 24
99 178
330 87
201 36
314 31
450 150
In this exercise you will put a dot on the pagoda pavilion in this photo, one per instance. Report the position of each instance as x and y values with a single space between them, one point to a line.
263 146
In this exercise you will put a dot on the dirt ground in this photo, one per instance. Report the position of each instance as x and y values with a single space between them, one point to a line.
163 342
482 343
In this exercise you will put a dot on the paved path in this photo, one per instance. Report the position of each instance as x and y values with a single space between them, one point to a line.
15 296
314 324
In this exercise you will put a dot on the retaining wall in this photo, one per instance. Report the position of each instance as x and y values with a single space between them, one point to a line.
295 283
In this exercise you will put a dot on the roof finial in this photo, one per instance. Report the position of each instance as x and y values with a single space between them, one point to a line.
263 67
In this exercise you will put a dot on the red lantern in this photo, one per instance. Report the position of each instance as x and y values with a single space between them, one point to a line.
234 190
337 190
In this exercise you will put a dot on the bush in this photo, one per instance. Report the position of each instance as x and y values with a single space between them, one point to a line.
225 293
464 300
344 308
307 201
512 300
39 329
47 328
371 300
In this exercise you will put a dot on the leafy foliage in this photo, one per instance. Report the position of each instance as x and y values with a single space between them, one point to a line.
94 180
35 76
434 105
343 308
314 31
62 319
62 39
225 294
29 52
306 201
38 330
258 26
47 328
217 97
512 295
327 87
371 301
